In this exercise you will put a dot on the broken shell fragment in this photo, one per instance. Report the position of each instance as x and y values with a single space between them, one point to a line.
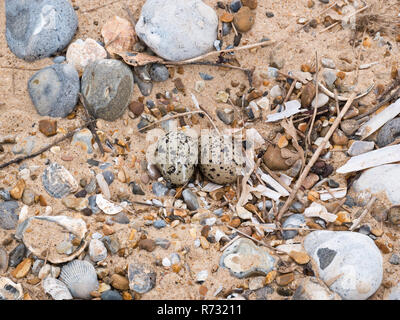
57 289
142 278
106 206
58 181
10 290
118 35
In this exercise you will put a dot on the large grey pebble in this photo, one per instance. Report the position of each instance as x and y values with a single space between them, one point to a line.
107 87
190 199
142 278
8 215
389 133
177 29
351 258
37 29
54 90
158 72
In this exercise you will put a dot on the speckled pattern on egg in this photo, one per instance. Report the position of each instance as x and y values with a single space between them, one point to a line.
176 157
221 158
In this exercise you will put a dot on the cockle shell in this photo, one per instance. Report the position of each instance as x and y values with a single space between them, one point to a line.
58 229
80 278
58 181
118 35
10 290
57 289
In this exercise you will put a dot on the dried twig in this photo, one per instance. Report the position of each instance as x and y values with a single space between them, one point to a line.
357 221
35 154
315 156
102 6
319 14
316 100
341 98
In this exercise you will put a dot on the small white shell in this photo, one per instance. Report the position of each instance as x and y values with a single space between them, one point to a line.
10 290
106 206
57 289
80 278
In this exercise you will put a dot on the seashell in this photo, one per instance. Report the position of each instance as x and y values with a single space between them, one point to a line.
202 276
106 206
10 290
97 250
58 229
319 211
80 278
142 278
58 181
3 261
57 289
118 35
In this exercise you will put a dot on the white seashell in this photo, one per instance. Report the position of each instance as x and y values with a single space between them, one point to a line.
166 262
103 186
80 278
273 183
379 120
24 213
336 193
371 159
202 276
291 108
57 289
55 271
106 206
319 211
10 290
97 250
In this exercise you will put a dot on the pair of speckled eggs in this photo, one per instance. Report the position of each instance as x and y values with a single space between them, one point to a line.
219 157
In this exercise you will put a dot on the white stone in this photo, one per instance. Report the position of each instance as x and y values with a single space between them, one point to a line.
384 179
394 293
275 92
178 29
348 262
322 100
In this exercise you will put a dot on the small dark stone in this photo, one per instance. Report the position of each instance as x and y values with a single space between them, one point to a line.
325 256
269 14
136 189
16 255
190 199
81 194
108 176
220 5
285 292
92 204
236 5
87 212
236 39
93 162
389 133
395 259
144 87
333 183
111 295
365 229
206 76
324 1
350 202
121 218
5 195
158 72
226 28
313 23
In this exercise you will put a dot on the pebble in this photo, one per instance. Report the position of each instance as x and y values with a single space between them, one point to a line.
93 205
65 247
275 92
159 189
272 73
190 199
360 147
244 259
74 203
244 19
8 215
54 90
158 72
226 28
103 185
145 88
394 259
252 4
163 243
177 30
111 243
294 221
205 76
17 191
394 215
322 100
147 244
119 282
235 5
328 63
38 29
16 255
388 133
339 138
97 250
349 257
80 53
111 295
312 289
48 127
159 224
329 77
136 189
382 179
199 86
59 59
136 107
83 139
142 278
25 146
5 195
108 176
107 87
273 159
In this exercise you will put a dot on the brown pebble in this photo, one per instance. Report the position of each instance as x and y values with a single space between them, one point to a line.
310 3
254 95
203 290
180 70
226 17
48 127
205 230
252 4
310 181
147 244
244 19
136 107
299 257
22 269
235 222
339 138
307 95
119 282
273 159
66 157
179 84
17 191
107 230
126 296
285 279
382 245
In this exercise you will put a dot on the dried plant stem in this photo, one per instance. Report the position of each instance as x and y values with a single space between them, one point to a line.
319 14
357 221
102 6
316 100
273 175
341 98
315 156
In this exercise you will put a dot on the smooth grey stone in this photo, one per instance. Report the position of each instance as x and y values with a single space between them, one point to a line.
111 243
16 255
225 117
111 295
5 195
360 147
92 204
158 72
8 215
91 186
163 243
329 77
159 189
365 229
294 221
159 224
28 197
333 183
136 189
59 59
226 28
54 90
38 29
108 176
395 259
107 88
190 199
144 87
351 258
26 146
323 99
142 278
121 218
236 5
328 63
272 73
389 133
177 30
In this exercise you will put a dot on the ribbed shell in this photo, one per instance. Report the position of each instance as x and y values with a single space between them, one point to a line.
80 278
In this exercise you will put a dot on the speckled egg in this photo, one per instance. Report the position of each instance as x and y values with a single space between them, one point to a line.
221 158
176 156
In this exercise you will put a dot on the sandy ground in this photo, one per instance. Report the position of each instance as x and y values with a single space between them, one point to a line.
19 117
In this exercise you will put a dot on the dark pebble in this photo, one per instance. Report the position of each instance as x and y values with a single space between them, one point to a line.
136 189
159 189
8 215
16 255
236 5
111 295
269 14
108 176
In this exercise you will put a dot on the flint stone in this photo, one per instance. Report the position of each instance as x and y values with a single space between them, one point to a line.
178 30
54 90
107 87
8 216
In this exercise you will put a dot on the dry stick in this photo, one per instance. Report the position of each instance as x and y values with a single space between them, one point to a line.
322 12
68 135
102 6
341 98
315 156
316 99
357 221
274 175
18 68
209 118
290 91
213 53
336 102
